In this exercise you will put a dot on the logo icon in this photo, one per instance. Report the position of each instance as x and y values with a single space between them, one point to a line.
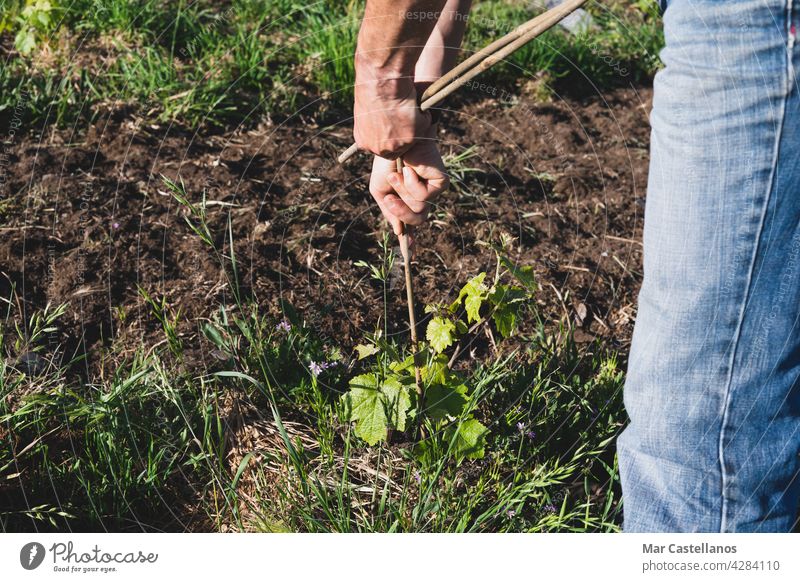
31 555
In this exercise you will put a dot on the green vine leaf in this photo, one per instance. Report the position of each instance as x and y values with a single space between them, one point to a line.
506 301
440 333
469 439
473 306
442 400
365 351
522 274
375 407
436 372
403 366
466 440
506 321
25 41
473 294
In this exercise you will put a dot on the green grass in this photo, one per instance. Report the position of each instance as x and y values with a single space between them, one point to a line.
623 47
146 442
205 63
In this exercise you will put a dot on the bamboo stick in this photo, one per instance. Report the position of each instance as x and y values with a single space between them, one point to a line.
412 316
566 8
554 16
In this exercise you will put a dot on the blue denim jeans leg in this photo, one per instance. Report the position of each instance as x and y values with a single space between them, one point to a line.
712 390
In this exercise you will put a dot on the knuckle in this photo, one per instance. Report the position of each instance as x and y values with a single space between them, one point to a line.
396 144
403 214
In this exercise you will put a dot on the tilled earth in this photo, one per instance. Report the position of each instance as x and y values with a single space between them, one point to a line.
85 218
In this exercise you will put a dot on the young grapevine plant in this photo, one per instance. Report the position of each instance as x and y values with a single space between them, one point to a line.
385 398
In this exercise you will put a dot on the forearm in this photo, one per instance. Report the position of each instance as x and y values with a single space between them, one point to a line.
443 45
387 117
392 37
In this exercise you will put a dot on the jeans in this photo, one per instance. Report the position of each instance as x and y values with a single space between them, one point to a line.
712 387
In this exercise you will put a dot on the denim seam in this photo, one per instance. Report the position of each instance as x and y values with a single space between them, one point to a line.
789 74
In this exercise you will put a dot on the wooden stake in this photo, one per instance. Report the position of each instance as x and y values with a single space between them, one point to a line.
412 316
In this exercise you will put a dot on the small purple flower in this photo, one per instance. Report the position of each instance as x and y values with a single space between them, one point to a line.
284 326
550 508
511 513
417 477
318 368
115 226
531 434
521 427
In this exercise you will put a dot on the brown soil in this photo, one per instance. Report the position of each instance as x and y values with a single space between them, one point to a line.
86 219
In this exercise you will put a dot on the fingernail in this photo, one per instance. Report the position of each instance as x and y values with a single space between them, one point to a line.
407 172
392 179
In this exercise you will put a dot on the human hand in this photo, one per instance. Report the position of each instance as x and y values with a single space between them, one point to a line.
386 117
407 197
